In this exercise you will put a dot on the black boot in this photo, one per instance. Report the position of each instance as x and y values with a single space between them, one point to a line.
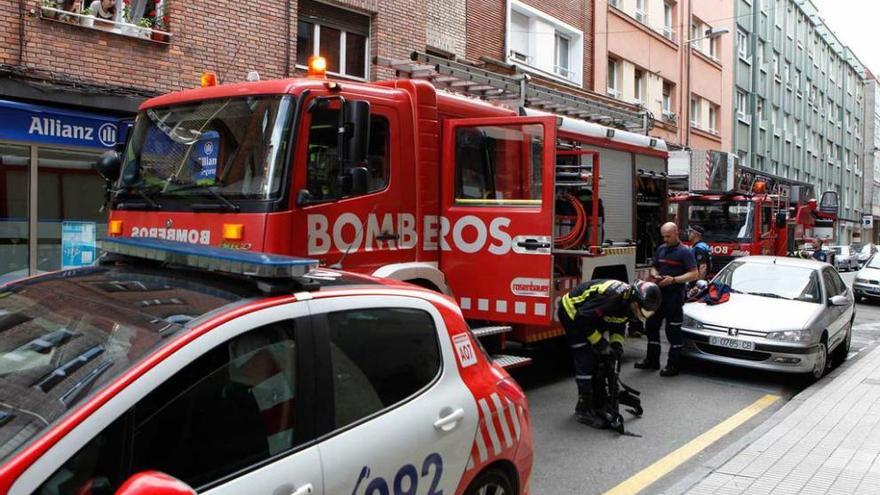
671 369
652 360
585 413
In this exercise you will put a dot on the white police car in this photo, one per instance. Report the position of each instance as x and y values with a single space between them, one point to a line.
142 376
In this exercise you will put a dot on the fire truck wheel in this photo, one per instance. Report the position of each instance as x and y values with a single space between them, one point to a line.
491 482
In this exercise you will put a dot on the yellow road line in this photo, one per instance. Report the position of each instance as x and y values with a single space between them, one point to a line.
654 472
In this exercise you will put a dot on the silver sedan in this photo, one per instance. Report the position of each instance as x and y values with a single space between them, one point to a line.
785 314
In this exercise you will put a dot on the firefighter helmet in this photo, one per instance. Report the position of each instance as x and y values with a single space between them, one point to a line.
648 297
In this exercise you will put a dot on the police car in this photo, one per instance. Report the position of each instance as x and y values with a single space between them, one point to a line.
170 369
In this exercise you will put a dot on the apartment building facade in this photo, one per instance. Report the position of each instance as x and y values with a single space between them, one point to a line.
799 102
66 80
871 182
669 57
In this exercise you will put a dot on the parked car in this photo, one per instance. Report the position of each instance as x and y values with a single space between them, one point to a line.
141 377
785 314
867 282
866 252
844 259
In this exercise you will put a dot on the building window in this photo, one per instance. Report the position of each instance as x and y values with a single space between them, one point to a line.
563 56
741 105
639 86
613 73
139 18
340 36
760 56
713 119
532 36
695 112
641 13
667 97
742 44
668 30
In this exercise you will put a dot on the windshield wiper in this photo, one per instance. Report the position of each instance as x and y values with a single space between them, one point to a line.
149 201
212 190
76 391
56 376
768 294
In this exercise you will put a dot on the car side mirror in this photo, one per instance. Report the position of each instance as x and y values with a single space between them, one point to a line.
154 483
109 166
303 197
780 220
838 300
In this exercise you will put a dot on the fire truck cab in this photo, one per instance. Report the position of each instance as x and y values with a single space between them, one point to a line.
396 179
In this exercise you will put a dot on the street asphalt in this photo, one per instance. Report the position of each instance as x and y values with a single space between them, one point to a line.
573 459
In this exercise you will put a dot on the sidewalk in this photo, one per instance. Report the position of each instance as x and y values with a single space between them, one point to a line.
825 440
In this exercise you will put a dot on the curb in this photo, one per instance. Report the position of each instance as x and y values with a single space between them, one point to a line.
700 472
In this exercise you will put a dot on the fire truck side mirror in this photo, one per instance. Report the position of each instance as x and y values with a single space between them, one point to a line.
780 220
109 166
359 180
357 124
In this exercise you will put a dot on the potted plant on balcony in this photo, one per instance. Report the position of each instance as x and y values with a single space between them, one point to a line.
161 23
48 9
88 18
145 24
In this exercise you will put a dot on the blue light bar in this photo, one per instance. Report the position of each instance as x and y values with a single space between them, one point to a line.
210 258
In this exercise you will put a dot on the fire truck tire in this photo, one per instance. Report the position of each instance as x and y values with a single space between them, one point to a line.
491 481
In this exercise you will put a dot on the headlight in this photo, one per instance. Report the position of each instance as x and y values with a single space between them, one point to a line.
689 322
791 335
861 281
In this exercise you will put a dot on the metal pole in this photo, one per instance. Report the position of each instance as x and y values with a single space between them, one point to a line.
753 94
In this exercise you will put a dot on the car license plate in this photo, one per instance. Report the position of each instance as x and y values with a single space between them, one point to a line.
743 345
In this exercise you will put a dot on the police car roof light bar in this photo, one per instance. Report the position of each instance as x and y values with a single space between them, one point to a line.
210 258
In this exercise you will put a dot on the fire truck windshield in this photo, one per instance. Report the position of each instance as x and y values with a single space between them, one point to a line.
227 149
723 221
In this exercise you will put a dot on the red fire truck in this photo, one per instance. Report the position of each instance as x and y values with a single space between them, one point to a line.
748 212
495 207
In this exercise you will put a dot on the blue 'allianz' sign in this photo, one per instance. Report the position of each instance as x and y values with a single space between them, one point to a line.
35 123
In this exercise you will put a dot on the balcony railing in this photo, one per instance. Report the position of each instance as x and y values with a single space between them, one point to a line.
107 25
670 34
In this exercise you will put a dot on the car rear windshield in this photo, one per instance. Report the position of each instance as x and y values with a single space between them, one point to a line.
66 335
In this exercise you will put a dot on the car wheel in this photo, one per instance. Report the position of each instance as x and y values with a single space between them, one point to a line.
843 348
491 482
821 365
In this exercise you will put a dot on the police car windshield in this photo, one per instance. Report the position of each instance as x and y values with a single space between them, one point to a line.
66 335
226 149
774 281
723 221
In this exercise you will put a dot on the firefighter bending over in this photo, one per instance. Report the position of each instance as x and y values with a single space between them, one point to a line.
586 313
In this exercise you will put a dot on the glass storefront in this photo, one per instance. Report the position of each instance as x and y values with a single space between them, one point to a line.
50 194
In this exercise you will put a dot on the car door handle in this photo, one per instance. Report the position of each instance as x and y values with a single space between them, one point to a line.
303 490
387 236
448 422
533 244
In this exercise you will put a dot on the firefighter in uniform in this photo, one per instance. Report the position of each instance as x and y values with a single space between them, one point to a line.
586 312
674 266
702 251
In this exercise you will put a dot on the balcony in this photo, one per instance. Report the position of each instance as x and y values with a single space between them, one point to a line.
670 117
146 28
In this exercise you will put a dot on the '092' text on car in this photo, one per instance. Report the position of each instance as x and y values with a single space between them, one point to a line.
786 314
140 376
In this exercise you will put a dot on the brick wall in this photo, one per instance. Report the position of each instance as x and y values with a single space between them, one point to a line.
486 27
221 35
447 25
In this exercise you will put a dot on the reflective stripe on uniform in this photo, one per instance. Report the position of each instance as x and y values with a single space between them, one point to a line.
578 346
615 319
616 337
570 303
653 343
583 377
594 337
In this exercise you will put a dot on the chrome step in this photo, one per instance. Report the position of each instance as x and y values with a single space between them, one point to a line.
509 362
481 332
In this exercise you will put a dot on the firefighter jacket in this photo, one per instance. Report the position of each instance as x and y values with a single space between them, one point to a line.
600 305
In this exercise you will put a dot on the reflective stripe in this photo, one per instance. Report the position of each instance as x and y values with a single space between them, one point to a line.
675 323
569 302
511 409
570 310
594 337
653 343
578 346
677 346
615 319
490 426
583 377
505 429
616 337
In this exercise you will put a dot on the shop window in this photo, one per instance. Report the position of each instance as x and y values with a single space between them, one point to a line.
14 167
340 36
